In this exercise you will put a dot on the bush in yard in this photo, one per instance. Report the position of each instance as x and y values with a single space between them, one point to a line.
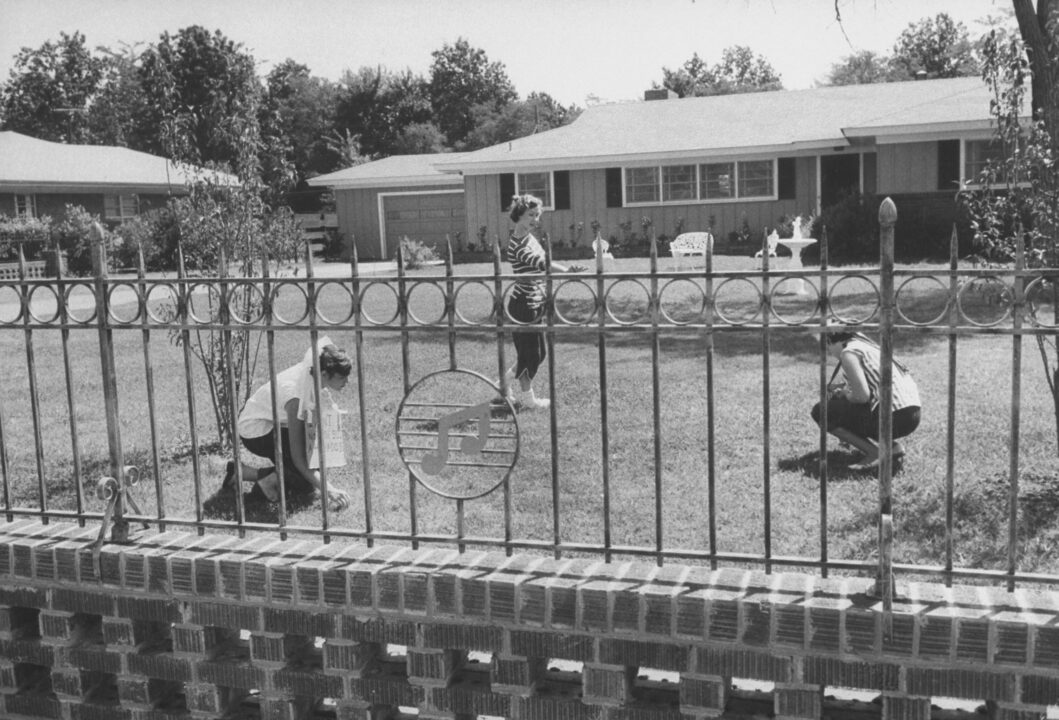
416 254
157 233
73 235
852 231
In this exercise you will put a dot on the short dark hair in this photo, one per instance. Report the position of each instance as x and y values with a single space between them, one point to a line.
839 337
334 361
520 204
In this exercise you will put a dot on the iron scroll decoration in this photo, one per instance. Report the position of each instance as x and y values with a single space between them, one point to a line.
457 435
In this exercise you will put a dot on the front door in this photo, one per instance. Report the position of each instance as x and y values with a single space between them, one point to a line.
839 175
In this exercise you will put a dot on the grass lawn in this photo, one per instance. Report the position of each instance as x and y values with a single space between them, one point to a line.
573 480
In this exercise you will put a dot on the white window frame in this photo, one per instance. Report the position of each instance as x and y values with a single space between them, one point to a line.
699 199
25 205
123 200
549 202
971 180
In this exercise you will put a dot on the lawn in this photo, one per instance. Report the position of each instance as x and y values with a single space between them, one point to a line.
629 500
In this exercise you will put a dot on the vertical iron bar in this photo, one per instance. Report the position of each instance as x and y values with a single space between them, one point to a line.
950 430
120 529
406 374
549 340
766 352
887 220
825 316
711 429
314 338
604 415
224 315
358 339
450 318
1017 305
184 316
34 396
498 317
159 487
75 445
654 308
277 421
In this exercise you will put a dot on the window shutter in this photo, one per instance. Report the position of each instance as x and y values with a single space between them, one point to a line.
507 190
561 181
948 164
613 187
787 182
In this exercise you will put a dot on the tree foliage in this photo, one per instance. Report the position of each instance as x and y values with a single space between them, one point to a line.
938 46
520 118
462 78
50 89
203 95
739 70
861 68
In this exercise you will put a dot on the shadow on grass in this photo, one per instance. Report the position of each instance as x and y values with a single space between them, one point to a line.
838 465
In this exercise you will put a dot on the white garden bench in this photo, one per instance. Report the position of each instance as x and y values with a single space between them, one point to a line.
690 243
34 269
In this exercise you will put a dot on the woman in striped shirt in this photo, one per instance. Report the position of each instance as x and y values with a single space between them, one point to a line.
853 401
526 303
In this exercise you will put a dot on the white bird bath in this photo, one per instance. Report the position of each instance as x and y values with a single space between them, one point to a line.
796 244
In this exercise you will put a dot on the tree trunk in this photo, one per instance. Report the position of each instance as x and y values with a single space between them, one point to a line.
1041 51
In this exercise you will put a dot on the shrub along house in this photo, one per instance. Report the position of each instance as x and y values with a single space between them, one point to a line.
732 164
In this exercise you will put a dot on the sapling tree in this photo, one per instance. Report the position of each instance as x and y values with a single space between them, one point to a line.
1016 198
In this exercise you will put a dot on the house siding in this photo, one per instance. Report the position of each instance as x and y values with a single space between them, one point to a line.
53 205
907 168
588 203
358 217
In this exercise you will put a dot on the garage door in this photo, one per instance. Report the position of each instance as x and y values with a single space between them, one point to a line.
425 218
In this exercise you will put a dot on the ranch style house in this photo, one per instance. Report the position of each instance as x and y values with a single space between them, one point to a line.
725 164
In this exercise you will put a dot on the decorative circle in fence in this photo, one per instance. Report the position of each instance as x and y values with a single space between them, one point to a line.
43 303
290 303
737 301
985 301
456 435
246 303
922 300
623 304
81 302
161 303
474 303
854 299
1042 302
575 302
794 300
10 304
337 297
124 303
682 301
378 303
426 304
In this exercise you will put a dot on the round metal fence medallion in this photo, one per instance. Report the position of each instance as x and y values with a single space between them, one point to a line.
457 435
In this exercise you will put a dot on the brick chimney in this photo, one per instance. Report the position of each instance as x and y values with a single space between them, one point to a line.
659 94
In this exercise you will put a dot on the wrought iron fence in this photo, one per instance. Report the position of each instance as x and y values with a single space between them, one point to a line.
655 446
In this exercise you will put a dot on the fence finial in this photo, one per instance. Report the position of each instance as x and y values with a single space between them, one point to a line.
887 213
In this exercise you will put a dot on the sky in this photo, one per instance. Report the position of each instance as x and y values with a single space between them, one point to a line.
577 51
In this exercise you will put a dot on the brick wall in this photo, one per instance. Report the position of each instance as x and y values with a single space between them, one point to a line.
177 625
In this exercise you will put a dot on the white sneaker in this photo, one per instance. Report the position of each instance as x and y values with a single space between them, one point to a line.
531 402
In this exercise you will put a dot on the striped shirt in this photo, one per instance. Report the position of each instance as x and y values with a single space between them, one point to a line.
527 258
905 392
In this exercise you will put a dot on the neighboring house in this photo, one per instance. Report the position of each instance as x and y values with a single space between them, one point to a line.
717 163
380 202
39 178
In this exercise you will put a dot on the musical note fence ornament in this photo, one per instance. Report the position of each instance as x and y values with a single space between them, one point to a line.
457 434
467 470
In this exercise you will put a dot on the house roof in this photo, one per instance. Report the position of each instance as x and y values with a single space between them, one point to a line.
31 165
393 171
743 124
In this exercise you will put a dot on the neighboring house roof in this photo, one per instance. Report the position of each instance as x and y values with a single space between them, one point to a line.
393 171
31 165
743 124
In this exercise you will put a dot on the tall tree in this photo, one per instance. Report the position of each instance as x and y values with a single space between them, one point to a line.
538 112
462 77
739 70
1040 35
937 46
386 110
120 102
50 90
204 96
861 68
300 109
